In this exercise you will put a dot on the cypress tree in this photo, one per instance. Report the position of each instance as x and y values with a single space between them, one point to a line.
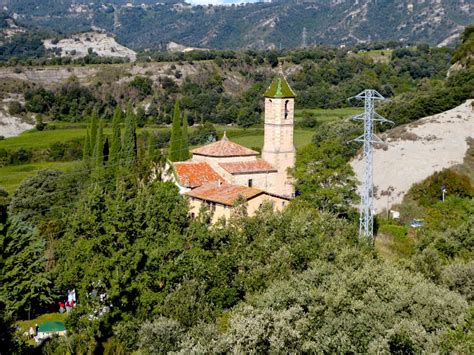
106 150
116 138
99 147
150 148
176 135
86 149
93 131
129 147
185 142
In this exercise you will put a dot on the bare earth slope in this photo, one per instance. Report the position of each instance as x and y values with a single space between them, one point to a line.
417 150
79 46
12 126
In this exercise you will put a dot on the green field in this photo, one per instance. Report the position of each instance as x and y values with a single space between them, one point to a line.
377 55
302 137
325 115
12 175
36 140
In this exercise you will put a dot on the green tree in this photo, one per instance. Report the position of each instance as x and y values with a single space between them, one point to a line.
24 283
129 147
429 191
140 117
86 149
115 149
176 145
185 138
93 128
98 156
37 195
324 178
4 201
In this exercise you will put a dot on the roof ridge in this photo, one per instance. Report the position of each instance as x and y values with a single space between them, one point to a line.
223 148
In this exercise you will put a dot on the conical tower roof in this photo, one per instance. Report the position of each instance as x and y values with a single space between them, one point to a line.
279 88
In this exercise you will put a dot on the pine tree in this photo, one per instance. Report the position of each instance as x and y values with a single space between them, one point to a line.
116 138
185 143
176 135
129 147
86 149
93 128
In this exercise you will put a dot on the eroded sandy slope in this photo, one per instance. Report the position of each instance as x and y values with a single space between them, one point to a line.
417 150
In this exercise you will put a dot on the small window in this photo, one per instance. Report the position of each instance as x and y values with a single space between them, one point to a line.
286 109
283 204
250 183
193 215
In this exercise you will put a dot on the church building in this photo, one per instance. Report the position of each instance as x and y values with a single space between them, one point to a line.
221 172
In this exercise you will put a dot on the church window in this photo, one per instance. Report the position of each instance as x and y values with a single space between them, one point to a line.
286 108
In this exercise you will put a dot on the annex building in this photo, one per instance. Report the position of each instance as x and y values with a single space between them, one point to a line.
220 172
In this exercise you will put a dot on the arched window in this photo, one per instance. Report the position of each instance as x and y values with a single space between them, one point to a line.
286 108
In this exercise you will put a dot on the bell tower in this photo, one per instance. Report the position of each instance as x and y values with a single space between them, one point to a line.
278 147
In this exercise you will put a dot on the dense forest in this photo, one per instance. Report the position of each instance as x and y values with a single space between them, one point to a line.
151 279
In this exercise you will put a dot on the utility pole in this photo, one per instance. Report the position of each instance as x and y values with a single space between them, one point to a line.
368 139
443 192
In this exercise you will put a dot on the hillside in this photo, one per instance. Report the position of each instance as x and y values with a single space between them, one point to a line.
417 150
81 45
150 24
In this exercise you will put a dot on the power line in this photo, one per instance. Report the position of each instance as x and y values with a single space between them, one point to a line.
78 171
368 139
93 183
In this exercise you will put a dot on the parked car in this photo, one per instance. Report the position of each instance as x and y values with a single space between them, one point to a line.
417 223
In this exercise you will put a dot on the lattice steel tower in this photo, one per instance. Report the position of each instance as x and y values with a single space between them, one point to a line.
366 224
303 38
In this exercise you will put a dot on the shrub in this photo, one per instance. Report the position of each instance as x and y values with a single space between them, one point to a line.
429 191
308 121
143 84
163 335
460 278
15 108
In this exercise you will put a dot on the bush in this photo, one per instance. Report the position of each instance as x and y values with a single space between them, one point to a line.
429 191
15 108
308 121
143 84
163 335
460 278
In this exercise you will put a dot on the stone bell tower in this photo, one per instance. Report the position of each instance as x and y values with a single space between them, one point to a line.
278 147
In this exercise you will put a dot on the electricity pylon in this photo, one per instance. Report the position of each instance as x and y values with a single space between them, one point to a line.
303 38
368 139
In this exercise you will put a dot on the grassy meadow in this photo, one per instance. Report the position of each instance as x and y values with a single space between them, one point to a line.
377 55
325 115
12 175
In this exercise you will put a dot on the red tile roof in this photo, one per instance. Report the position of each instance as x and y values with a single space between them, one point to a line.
224 148
225 194
194 174
242 167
